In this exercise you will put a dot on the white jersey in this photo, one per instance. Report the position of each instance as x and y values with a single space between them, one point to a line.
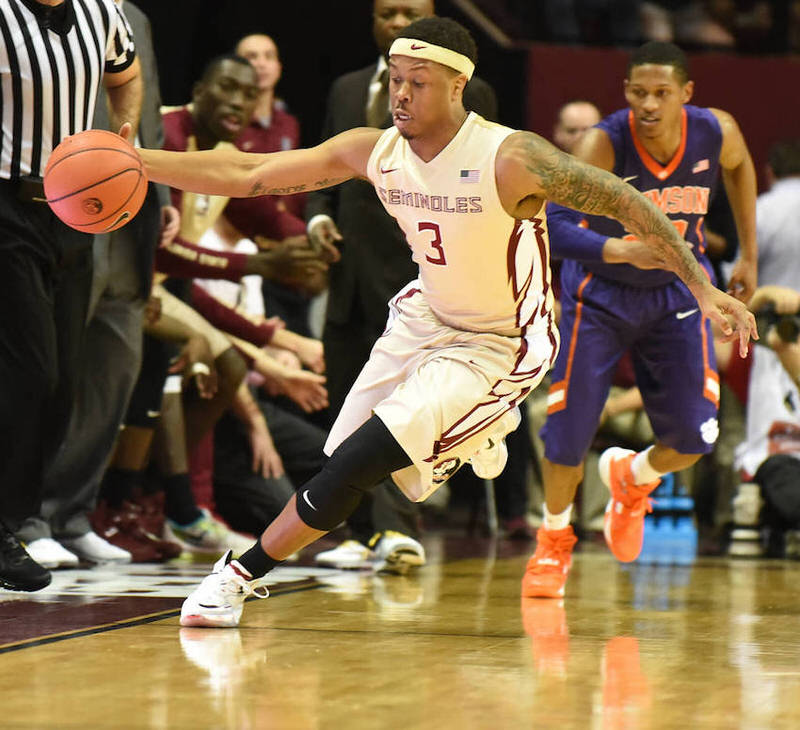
480 269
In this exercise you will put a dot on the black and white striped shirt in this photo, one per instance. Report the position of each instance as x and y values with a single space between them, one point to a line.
51 65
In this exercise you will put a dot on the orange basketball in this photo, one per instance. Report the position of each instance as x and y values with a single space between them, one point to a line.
94 181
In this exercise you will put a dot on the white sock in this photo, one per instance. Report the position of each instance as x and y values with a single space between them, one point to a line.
643 472
559 521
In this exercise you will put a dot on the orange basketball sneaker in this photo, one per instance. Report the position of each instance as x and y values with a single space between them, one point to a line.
623 523
546 572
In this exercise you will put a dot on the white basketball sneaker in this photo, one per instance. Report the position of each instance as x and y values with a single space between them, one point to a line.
396 552
490 459
348 555
50 554
218 601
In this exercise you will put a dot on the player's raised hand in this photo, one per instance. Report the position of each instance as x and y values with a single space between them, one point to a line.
732 316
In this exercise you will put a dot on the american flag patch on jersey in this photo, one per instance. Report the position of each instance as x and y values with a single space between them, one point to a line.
701 166
469 176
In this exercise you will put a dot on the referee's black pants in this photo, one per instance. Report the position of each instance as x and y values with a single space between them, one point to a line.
45 283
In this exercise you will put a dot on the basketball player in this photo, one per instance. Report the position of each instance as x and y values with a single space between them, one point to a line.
672 152
468 340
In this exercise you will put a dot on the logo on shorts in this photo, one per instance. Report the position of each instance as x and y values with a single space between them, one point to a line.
445 469
92 206
709 430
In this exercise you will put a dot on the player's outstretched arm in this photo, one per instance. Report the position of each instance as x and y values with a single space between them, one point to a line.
238 174
530 169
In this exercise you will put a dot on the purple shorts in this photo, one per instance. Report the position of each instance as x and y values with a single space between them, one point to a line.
672 353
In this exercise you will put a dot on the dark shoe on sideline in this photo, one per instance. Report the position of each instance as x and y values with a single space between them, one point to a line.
18 570
517 528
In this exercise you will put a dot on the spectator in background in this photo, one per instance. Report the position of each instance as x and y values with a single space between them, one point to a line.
223 103
770 455
572 121
272 220
256 469
773 404
778 218
595 22
131 511
744 25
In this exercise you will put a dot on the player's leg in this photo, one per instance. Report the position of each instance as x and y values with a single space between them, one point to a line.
581 378
360 462
676 373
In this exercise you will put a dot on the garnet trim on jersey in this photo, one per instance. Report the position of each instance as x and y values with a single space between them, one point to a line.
522 274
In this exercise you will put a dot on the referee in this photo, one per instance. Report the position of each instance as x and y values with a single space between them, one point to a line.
54 55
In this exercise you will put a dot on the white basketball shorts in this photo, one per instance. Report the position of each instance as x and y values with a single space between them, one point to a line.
440 391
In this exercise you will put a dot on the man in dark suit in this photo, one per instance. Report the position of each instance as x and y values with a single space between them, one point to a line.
376 262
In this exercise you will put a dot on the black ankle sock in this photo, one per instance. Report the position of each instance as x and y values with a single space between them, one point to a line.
179 503
118 485
256 562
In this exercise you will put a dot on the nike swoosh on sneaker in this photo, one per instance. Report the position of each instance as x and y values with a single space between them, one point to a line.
308 501
684 315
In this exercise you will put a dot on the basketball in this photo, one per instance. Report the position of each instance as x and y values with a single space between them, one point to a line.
94 181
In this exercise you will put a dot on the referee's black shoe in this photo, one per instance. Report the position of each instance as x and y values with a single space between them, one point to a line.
18 570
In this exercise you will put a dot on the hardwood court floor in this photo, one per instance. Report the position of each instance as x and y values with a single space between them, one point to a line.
714 644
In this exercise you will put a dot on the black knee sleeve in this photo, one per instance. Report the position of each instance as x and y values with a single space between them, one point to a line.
360 462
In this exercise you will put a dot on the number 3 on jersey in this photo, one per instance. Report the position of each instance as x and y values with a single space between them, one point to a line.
436 242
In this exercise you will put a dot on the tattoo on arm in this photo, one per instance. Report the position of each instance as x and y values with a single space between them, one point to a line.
328 182
260 189
568 181
257 189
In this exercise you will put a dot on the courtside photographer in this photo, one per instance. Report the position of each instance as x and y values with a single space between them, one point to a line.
770 455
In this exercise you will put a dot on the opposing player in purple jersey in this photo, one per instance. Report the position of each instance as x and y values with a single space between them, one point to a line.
671 152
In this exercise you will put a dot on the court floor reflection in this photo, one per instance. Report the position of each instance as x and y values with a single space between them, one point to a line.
712 645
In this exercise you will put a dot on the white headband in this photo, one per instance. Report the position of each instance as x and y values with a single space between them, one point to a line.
430 52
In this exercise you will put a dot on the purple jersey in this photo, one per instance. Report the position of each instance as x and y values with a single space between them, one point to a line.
681 189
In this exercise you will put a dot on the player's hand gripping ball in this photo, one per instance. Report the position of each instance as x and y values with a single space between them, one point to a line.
95 181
